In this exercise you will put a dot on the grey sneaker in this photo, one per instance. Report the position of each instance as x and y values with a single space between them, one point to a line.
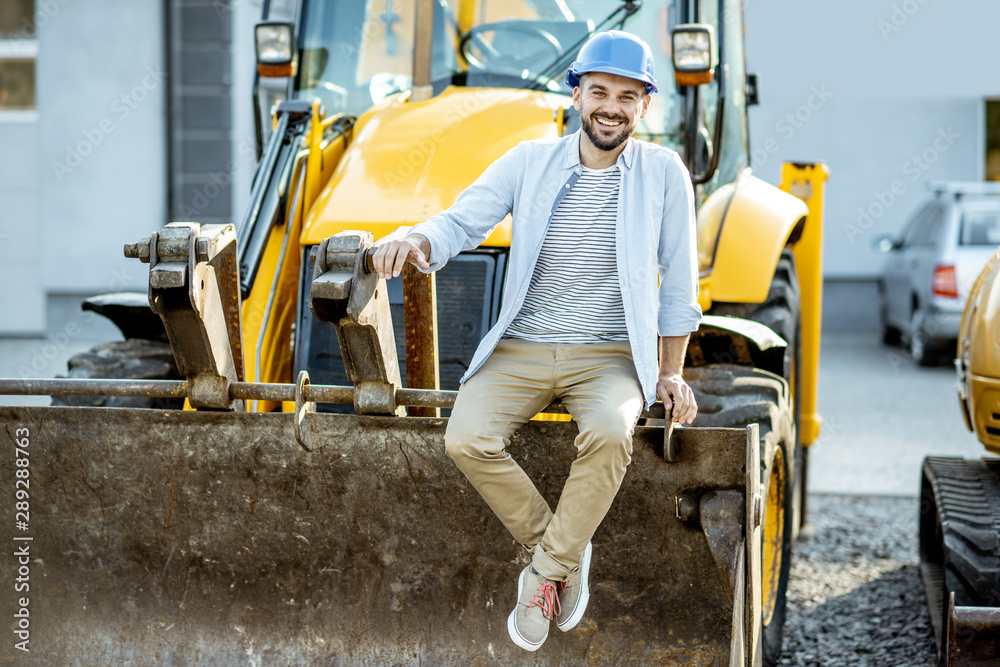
574 594
537 603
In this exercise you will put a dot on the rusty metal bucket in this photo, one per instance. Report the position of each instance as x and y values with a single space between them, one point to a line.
212 538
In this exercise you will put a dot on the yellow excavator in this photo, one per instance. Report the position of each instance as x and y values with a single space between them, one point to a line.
256 474
960 498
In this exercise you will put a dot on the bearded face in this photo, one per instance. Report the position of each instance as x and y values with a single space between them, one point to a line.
610 107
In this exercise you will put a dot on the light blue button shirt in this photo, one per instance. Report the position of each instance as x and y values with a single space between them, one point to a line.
654 236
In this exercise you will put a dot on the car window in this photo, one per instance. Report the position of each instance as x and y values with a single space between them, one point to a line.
918 228
980 228
932 232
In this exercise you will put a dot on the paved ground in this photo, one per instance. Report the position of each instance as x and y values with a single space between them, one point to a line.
855 594
882 414
855 597
71 331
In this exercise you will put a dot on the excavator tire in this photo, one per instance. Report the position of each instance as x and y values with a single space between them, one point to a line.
729 395
780 312
132 359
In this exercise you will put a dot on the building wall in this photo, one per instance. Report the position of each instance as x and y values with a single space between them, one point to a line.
876 90
22 302
244 16
134 131
102 83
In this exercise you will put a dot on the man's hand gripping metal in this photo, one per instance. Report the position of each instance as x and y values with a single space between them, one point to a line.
392 255
678 398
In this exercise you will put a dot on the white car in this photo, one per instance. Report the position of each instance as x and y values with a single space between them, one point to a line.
931 266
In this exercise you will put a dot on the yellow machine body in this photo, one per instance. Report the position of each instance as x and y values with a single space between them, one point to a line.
807 183
979 357
408 161
757 223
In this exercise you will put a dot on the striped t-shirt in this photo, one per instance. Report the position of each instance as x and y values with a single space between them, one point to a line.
574 295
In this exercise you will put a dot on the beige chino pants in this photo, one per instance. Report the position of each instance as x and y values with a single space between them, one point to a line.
599 387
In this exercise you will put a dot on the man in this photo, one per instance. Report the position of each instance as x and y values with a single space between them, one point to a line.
597 218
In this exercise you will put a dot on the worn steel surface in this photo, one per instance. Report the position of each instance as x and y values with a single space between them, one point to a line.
92 387
355 301
973 636
423 51
420 320
193 288
212 538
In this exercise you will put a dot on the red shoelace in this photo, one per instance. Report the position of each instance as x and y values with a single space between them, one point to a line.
547 600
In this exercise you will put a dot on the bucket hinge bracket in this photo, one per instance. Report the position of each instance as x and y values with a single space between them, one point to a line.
194 288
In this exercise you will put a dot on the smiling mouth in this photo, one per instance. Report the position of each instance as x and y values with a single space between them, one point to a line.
607 122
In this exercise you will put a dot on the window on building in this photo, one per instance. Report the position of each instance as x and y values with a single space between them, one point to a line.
993 140
17 19
18 50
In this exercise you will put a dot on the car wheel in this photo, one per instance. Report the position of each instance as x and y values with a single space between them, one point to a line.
889 334
918 339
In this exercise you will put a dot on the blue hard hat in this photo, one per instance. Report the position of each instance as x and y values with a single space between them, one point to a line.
614 52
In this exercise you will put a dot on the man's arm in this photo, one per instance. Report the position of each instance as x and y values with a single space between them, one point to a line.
670 386
462 226
679 312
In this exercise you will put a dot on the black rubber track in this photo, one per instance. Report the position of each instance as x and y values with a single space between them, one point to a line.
960 534
133 359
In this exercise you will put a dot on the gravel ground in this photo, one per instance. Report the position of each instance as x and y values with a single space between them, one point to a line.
856 597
